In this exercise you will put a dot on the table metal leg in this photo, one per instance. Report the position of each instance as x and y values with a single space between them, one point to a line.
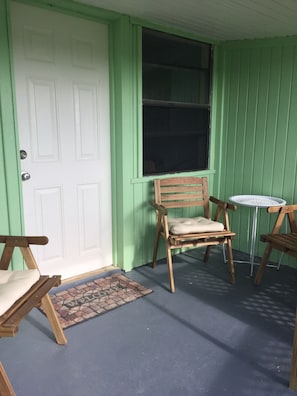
253 239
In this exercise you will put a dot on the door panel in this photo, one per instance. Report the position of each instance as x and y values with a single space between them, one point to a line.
62 97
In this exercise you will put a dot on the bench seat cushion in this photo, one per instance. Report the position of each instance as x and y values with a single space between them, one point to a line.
184 225
14 284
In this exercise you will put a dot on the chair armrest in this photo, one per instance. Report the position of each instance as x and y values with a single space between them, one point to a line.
160 208
223 204
283 211
23 241
222 211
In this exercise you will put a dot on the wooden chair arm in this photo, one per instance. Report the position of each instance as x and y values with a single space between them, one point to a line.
222 210
23 241
283 211
223 204
160 208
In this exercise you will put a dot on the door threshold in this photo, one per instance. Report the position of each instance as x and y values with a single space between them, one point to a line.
90 274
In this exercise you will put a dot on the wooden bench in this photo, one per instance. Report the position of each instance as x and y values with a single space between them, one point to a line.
285 243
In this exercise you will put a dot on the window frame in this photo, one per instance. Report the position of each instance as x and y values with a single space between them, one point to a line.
206 107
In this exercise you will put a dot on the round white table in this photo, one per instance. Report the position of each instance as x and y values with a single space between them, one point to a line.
256 202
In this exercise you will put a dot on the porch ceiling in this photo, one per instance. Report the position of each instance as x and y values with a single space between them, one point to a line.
213 19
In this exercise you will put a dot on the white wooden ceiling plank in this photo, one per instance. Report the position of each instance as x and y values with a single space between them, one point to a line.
215 19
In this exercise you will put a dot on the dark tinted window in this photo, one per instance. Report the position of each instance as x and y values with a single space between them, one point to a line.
176 108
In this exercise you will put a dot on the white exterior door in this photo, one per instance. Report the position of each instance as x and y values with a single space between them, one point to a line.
62 96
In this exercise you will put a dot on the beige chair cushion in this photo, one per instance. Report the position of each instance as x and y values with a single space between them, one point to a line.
192 225
13 285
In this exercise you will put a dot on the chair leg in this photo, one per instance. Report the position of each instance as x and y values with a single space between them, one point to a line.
53 320
207 252
6 388
230 261
264 261
156 245
46 301
170 269
293 377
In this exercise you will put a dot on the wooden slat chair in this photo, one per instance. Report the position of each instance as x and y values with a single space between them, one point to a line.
285 243
29 290
190 192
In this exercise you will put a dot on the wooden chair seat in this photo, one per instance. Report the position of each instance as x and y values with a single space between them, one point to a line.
10 320
194 225
190 193
203 239
286 243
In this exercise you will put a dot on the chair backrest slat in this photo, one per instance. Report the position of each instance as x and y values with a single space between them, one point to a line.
186 204
181 197
182 192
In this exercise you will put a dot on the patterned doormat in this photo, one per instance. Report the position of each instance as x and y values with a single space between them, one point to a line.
95 297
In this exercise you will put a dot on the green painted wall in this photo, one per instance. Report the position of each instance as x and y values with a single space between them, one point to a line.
124 111
253 144
135 220
258 123
10 204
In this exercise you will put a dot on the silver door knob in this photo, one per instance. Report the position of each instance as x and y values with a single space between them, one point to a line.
25 176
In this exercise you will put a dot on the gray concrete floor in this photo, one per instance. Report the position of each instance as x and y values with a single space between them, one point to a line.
209 338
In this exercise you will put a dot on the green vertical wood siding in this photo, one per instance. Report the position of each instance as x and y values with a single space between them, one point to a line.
258 99
124 115
10 196
134 220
